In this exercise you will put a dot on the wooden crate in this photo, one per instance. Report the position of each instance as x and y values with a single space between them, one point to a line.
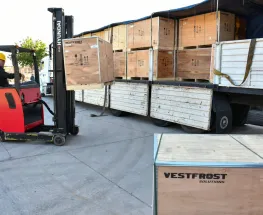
208 174
241 28
157 32
88 63
119 37
194 63
86 35
119 59
202 29
105 34
139 64
226 29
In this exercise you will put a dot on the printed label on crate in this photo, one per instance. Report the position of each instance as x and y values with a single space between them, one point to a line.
219 178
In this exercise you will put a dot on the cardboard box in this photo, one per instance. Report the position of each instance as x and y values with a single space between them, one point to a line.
208 174
88 63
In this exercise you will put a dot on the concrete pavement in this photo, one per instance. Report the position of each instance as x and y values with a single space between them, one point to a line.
106 169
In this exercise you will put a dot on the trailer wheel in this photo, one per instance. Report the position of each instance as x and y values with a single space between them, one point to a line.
117 113
192 130
240 114
59 140
160 123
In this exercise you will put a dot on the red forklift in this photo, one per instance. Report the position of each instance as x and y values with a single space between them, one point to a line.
21 106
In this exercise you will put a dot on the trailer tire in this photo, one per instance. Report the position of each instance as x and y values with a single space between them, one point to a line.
160 123
117 113
192 130
240 114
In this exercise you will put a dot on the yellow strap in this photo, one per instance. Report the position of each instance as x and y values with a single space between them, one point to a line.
248 66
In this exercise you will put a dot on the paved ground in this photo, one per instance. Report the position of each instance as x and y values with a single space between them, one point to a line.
106 169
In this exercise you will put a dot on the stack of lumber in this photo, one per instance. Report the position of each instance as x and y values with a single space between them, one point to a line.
197 34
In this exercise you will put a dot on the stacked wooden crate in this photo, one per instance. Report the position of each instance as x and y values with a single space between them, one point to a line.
150 49
119 45
197 34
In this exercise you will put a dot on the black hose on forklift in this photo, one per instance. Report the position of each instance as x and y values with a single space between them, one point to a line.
48 108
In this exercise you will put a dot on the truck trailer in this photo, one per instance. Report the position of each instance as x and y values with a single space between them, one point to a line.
236 79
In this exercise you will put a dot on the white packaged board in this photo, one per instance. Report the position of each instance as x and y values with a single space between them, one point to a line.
231 59
130 97
183 105
79 95
95 97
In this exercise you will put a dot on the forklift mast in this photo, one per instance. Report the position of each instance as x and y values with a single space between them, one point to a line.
64 101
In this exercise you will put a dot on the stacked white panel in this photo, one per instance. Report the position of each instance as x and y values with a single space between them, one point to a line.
231 59
130 97
95 97
78 95
183 105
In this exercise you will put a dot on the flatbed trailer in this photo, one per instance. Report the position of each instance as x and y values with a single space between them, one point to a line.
236 78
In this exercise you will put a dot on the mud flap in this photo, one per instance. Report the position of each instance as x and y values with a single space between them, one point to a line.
224 118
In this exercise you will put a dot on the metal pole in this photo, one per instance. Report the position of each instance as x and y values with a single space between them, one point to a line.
217 21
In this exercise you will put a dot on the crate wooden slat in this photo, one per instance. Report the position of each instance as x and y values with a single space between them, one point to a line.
208 174
194 63
119 37
120 64
105 34
202 29
138 64
157 32
88 63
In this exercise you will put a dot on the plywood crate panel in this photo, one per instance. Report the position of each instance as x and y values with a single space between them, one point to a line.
208 174
202 29
231 59
88 63
194 63
157 32
120 64
226 29
139 64
119 37
188 106
130 97
241 28
105 34
96 97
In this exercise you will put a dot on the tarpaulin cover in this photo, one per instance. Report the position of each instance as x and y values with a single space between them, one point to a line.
251 9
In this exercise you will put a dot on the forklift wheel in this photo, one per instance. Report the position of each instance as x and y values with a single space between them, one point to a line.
75 131
59 140
2 136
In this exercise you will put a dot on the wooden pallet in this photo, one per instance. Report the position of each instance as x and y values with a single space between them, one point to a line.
192 80
120 78
195 47
160 48
138 78
119 50
154 78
